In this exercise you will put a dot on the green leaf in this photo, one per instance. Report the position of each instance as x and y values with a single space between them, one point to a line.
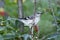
9 35
2 28
1 38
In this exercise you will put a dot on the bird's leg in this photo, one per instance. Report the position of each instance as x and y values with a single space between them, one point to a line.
32 32
38 34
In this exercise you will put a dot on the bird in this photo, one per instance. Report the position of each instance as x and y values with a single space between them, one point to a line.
30 20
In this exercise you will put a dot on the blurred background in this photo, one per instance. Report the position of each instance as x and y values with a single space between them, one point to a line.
49 24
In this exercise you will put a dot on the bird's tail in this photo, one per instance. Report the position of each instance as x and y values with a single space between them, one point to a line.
23 21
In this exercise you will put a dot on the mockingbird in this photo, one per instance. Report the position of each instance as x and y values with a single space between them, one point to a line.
31 20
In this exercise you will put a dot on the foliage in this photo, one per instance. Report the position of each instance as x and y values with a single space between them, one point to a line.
9 29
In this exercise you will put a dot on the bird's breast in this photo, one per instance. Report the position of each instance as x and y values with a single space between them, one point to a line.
37 20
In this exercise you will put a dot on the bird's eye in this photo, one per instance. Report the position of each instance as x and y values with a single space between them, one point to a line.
38 13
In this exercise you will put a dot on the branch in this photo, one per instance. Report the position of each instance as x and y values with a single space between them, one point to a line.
21 15
34 6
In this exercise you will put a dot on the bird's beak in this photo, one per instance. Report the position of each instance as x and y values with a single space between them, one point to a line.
41 13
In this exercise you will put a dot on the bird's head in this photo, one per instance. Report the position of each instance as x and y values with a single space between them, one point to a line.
38 13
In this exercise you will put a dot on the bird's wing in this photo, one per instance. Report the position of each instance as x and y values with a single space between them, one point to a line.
31 17
26 22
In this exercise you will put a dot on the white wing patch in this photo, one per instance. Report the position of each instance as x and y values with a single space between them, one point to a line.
27 22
